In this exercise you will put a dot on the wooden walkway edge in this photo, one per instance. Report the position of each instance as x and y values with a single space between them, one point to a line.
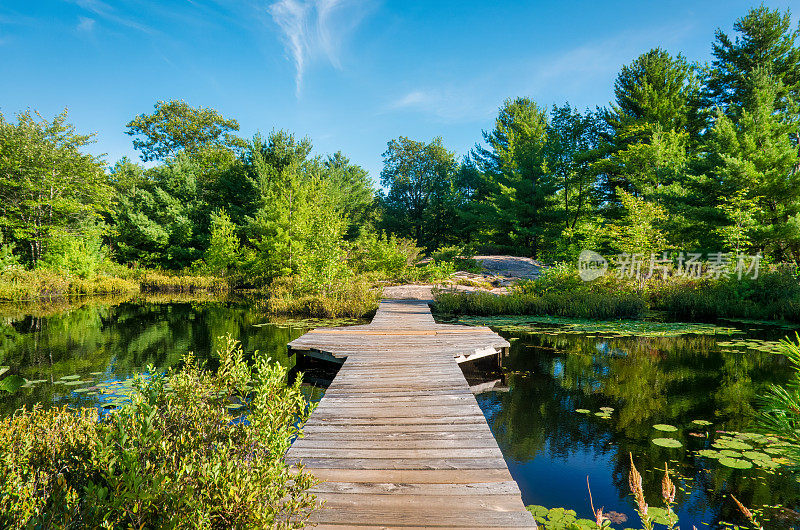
398 439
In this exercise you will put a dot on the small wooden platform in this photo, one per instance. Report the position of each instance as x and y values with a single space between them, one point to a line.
398 440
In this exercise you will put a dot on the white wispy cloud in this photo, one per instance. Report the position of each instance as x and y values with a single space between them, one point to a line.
109 13
568 74
315 29
85 24
464 103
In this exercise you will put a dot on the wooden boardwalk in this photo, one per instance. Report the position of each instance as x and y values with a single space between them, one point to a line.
398 440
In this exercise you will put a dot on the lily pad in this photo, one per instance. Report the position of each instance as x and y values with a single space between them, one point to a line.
667 442
70 377
12 383
736 463
702 423
664 427
582 411
757 455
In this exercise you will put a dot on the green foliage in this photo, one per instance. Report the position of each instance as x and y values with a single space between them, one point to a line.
8 260
172 457
740 213
386 255
176 127
355 297
559 291
521 190
223 253
160 219
20 284
581 304
774 295
780 406
46 182
639 230
423 191
81 254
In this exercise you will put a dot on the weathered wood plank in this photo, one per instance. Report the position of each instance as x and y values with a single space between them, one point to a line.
398 440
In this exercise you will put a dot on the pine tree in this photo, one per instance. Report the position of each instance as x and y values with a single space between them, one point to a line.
757 151
765 43
521 191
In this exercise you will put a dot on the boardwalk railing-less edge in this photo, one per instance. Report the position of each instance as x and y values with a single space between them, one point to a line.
398 440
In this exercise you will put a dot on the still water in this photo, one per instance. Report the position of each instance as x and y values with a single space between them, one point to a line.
549 421
564 406
73 355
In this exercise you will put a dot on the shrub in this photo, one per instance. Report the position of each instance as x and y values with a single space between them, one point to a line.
389 256
175 456
353 298
77 254
775 295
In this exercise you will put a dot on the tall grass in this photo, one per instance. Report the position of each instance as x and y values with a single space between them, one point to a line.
351 298
18 284
774 295
576 304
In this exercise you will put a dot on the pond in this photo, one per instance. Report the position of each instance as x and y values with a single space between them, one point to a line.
578 398
85 354
573 398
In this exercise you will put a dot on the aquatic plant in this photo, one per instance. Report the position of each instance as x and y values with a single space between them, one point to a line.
747 513
780 410
173 455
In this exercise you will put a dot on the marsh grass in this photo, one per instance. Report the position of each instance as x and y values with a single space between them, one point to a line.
355 298
19 284
586 305
774 295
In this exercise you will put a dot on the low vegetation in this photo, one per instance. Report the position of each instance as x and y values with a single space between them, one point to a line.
176 455
774 295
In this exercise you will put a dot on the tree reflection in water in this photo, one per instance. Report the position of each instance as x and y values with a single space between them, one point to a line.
655 380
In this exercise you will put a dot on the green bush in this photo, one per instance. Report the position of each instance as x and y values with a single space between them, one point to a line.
389 256
175 456
81 255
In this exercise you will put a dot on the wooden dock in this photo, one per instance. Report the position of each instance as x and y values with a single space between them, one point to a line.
398 440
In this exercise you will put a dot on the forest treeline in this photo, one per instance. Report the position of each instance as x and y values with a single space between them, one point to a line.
686 157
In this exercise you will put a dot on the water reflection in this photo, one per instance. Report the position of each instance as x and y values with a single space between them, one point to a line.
551 449
100 341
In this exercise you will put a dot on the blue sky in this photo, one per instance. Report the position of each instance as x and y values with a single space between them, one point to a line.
349 74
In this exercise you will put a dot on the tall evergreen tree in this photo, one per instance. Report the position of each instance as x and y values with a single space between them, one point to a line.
521 190
651 123
766 43
756 153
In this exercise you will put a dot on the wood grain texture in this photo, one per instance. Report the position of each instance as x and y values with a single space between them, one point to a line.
398 439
